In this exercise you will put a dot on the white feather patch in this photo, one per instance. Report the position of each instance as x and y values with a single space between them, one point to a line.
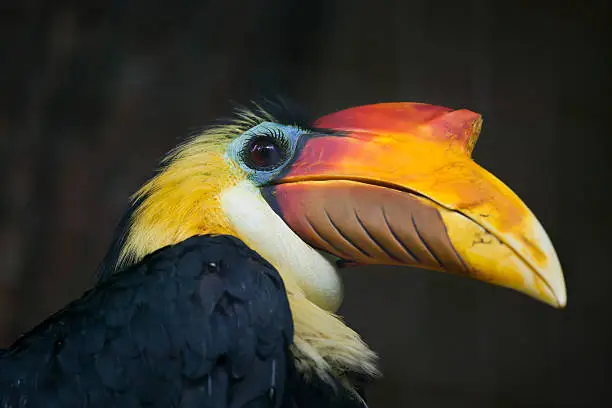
267 234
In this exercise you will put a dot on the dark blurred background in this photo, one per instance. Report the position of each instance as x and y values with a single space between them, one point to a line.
93 93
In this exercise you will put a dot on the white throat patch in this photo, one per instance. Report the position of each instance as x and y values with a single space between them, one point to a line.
267 234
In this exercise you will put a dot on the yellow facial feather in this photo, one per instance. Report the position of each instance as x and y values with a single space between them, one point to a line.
182 200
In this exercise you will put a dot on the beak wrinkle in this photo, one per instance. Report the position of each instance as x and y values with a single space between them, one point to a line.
411 256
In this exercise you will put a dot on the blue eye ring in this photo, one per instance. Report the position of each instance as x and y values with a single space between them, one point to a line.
285 139
265 151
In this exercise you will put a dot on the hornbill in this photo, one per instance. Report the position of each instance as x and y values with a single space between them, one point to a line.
221 287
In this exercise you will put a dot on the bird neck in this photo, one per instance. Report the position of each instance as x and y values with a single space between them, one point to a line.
323 344
266 233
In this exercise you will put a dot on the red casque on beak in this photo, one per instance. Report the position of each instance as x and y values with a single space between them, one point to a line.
395 184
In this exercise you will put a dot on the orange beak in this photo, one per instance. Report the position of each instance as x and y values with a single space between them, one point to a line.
395 184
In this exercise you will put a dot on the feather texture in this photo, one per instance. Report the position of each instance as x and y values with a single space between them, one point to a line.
204 323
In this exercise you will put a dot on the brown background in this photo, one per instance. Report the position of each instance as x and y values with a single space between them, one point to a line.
92 94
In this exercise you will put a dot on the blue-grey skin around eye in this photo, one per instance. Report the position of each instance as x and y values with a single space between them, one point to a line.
290 134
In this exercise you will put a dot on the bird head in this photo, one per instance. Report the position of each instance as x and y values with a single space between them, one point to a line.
383 184
386 184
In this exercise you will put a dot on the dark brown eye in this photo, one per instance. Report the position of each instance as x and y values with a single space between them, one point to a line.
264 153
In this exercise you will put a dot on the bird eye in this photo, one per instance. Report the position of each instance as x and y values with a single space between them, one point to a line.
264 152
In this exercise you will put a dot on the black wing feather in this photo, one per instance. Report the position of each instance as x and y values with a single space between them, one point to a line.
204 323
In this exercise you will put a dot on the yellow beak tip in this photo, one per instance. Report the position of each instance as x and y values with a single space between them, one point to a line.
552 284
560 298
